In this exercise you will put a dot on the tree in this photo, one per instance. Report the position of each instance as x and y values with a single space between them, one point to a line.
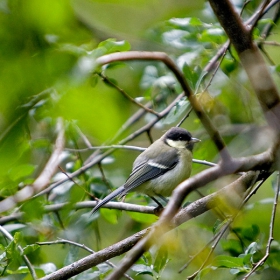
78 108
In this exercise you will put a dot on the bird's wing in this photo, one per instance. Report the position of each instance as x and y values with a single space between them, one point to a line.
146 169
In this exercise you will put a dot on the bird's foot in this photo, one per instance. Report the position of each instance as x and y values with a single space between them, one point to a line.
158 210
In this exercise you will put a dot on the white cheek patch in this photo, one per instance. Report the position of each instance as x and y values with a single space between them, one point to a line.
157 165
176 144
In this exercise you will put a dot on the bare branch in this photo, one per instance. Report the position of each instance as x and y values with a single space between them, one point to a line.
271 229
126 147
65 241
197 181
127 96
163 57
252 61
192 210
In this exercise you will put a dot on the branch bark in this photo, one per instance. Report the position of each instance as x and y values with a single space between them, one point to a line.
236 189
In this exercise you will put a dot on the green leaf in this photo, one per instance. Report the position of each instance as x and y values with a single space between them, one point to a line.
142 218
21 171
277 68
214 35
29 206
17 237
161 259
110 215
202 75
30 248
150 75
232 246
228 261
112 45
176 112
194 21
250 233
190 75
142 269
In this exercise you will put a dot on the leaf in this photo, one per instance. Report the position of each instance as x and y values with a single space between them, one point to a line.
142 218
214 35
232 246
13 227
110 215
149 77
112 45
29 206
250 233
161 259
252 248
190 75
228 261
142 269
30 249
21 171
199 81
176 112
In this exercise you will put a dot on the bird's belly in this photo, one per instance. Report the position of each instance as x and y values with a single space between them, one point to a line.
165 184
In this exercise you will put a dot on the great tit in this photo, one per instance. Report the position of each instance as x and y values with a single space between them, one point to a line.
160 168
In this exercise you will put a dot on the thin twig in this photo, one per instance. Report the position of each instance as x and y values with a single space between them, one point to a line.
191 211
108 81
65 241
97 158
217 236
163 57
83 136
271 229
126 147
26 260
216 241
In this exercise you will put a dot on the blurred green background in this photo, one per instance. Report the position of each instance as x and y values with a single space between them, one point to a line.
47 55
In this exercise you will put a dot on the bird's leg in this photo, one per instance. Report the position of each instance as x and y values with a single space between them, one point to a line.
158 210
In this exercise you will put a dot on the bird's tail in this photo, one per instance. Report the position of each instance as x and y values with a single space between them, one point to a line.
109 197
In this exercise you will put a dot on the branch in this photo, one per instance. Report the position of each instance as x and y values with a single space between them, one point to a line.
43 179
108 81
263 161
65 241
163 57
191 211
251 60
98 158
271 229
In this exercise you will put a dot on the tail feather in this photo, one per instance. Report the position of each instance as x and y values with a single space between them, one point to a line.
109 197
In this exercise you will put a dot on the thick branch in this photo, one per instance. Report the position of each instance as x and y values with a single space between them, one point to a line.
163 57
264 160
252 61
193 210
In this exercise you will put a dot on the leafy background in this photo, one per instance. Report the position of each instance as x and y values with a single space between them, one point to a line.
47 51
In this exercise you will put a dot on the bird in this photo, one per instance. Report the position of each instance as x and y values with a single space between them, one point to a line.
160 168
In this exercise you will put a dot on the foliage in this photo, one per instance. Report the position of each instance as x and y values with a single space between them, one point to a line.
52 84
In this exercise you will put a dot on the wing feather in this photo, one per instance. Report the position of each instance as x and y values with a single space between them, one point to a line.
147 169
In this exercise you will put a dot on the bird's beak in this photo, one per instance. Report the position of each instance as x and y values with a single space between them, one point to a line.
195 140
